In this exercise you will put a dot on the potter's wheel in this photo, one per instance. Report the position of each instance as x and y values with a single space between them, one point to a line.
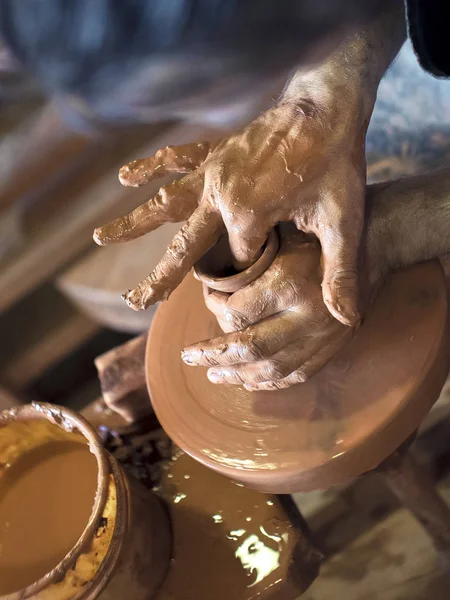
342 422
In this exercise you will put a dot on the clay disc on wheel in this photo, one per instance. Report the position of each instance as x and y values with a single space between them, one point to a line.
339 424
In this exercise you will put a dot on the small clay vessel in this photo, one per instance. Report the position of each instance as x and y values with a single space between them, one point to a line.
215 268
342 422
124 549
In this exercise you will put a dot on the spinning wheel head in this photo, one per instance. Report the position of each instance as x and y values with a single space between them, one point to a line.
341 423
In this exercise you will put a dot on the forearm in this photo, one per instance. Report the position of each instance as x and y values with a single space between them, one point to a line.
408 220
350 76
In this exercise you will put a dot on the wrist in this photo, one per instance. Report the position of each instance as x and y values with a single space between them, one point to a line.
337 101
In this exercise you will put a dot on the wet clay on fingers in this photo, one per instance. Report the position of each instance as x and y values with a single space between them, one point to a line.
342 422
270 171
278 330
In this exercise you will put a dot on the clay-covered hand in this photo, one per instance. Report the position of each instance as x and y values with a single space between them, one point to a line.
285 332
282 332
293 163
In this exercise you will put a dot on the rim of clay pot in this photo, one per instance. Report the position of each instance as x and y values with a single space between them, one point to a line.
237 281
71 422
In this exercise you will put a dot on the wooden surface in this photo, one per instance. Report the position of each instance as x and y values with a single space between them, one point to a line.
342 422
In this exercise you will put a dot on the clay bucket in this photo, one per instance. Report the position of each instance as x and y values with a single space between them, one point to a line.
124 549
215 269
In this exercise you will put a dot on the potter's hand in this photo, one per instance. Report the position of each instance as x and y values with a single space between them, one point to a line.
290 164
286 332
301 161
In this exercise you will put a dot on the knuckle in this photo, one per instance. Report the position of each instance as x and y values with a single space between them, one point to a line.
235 320
236 376
248 348
179 246
209 360
274 370
165 195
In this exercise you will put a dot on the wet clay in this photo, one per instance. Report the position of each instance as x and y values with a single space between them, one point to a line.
46 499
251 181
340 423
216 268
229 541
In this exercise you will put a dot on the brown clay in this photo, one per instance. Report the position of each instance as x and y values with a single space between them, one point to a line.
342 422
279 332
36 495
230 539
125 544
231 542
219 259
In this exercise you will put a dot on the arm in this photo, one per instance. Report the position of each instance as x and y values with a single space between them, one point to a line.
409 220
351 75
301 161
291 336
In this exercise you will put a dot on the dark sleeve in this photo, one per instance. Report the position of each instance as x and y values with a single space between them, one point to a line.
429 30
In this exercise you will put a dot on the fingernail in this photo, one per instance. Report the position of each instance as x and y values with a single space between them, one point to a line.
301 377
215 376
345 307
98 238
191 356
188 357
133 298
128 172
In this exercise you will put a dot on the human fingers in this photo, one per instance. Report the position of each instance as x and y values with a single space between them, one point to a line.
172 159
310 367
247 236
173 203
340 249
279 366
228 320
253 344
195 238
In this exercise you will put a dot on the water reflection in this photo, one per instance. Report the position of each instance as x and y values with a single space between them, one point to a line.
255 555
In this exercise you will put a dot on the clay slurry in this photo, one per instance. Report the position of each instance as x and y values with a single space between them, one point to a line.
46 499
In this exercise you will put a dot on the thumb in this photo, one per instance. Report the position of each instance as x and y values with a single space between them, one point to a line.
340 275
247 245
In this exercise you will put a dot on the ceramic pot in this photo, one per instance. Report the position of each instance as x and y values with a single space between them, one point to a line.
215 268
125 547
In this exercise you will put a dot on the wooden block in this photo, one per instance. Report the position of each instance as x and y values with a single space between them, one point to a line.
121 371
